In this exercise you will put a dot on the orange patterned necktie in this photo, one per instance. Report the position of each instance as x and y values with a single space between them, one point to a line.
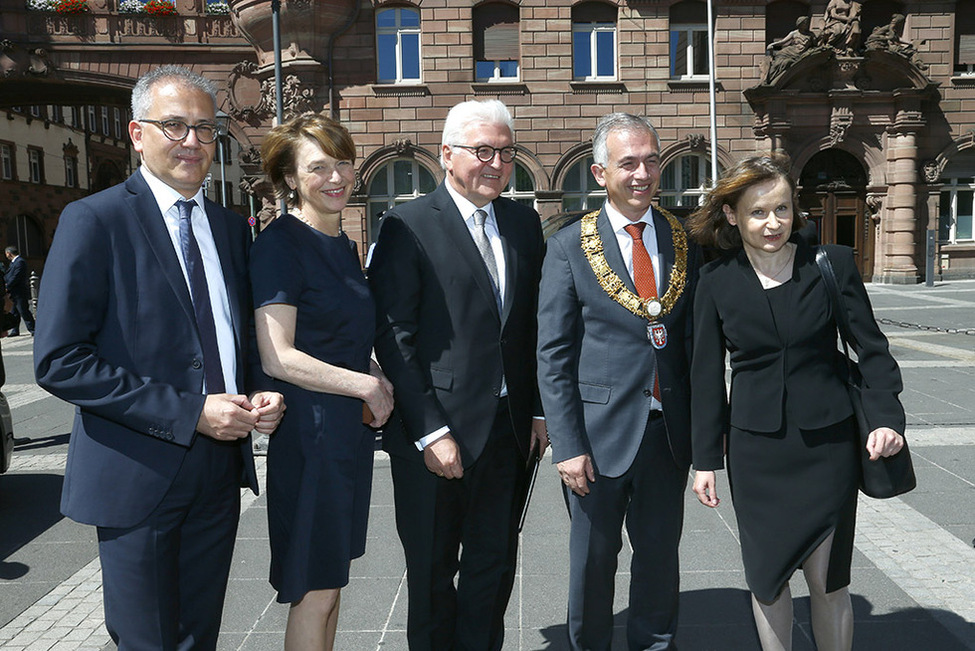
643 277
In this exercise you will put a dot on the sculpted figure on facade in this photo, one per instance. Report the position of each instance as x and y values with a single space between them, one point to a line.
890 37
789 49
841 26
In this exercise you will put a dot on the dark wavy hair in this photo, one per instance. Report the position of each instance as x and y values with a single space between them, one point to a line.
708 224
281 143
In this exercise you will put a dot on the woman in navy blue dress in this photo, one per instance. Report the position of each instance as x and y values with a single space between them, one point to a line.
315 324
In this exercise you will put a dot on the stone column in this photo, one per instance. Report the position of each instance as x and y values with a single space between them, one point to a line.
899 223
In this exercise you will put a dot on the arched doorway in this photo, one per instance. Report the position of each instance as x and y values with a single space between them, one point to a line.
833 191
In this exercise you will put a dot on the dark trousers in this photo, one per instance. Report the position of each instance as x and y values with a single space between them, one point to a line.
165 579
435 517
21 307
649 498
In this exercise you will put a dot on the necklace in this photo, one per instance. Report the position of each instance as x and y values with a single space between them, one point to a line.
304 219
652 309
771 280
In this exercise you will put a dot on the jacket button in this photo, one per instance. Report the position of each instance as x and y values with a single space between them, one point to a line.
648 393
197 364
496 392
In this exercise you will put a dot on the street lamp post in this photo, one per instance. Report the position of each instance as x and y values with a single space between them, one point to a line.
222 122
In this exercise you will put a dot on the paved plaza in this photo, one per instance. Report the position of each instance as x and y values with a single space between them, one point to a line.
913 567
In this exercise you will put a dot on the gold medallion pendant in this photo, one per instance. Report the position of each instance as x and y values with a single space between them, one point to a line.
651 309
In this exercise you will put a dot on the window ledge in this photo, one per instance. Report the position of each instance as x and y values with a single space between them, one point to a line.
691 85
964 81
598 87
499 88
400 90
967 247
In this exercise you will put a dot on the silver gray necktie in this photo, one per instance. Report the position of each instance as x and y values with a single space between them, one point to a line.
487 253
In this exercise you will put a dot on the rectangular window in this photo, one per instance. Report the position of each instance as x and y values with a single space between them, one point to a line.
689 51
35 164
7 167
398 45
76 117
92 120
71 171
956 219
117 116
105 123
594 51
35 111
496 42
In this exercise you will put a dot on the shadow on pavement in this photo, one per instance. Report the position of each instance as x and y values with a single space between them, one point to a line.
45 442
29 506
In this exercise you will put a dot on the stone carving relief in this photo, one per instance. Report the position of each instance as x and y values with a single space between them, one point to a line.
890 37
696 141
297 98
874 203
15 61
403 146
242 83
786 51
841 26
839 123
931 170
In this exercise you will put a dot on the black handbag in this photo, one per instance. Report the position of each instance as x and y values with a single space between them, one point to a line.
886 476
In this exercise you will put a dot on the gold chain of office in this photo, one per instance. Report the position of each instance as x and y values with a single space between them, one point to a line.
652 309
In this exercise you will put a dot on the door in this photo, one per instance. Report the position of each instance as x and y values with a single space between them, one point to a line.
841 218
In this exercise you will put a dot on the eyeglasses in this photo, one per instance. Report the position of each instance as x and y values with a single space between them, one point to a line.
177 130
486 154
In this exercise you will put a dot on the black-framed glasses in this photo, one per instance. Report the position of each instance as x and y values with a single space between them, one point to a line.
486 154
177 130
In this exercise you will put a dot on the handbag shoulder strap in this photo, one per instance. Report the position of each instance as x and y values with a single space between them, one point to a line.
836 300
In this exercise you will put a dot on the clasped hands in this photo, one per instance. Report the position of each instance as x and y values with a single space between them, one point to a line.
442 457
227 417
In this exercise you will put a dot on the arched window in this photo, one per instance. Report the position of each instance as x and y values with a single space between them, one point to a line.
593 41
684 181
25 233
521 186
396 182
398 45
579 189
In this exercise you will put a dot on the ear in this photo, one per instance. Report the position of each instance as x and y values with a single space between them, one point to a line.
729 214
135 135
447 153
598 173
290 180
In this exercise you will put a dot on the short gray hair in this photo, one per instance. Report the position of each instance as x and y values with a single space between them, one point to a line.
463 115
617 122
141 92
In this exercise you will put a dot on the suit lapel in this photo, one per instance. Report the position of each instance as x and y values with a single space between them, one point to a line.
452 223
146 212
611 250
507 230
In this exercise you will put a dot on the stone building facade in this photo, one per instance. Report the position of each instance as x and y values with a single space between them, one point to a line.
881 133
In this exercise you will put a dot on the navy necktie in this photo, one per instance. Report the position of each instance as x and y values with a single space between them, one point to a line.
212 370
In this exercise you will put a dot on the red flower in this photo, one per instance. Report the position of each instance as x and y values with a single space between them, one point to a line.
160 8
72 6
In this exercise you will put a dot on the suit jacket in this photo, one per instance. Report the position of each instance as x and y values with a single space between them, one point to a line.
117 337
595 363
16 279
440 339
787 370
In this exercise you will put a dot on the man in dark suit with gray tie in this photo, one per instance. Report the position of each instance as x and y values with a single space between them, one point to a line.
613 358
144 325
455 276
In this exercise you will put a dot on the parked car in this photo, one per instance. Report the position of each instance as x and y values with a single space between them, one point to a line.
6 424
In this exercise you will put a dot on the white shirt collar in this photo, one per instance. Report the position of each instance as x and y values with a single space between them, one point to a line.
465 207
618 221
166 197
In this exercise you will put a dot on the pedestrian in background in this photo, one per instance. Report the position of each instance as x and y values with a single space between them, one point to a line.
144 314
455 275
315 327
788 431
17 280
613 357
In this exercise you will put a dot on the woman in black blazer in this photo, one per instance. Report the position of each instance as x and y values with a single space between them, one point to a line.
787 430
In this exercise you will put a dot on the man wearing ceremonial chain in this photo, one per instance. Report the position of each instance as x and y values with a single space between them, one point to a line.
614 347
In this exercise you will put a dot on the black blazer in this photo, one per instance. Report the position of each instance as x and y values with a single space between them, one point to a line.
440 339
16 279
116 335
784 370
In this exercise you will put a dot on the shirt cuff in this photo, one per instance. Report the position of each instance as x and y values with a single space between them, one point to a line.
431 437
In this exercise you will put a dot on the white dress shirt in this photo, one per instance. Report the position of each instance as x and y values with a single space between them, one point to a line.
166 197
625 241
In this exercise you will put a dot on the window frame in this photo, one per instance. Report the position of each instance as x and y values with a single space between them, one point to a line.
392 199
35 165
593 28
674 197
952 186
8 161
71 171
481 24
587 195
689 29
399 31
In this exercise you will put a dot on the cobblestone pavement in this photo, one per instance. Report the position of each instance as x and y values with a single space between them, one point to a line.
913 568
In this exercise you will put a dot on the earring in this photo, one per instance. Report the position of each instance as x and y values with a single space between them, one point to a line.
291 195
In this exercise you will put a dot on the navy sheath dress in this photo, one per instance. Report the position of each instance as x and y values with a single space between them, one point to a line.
319 461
